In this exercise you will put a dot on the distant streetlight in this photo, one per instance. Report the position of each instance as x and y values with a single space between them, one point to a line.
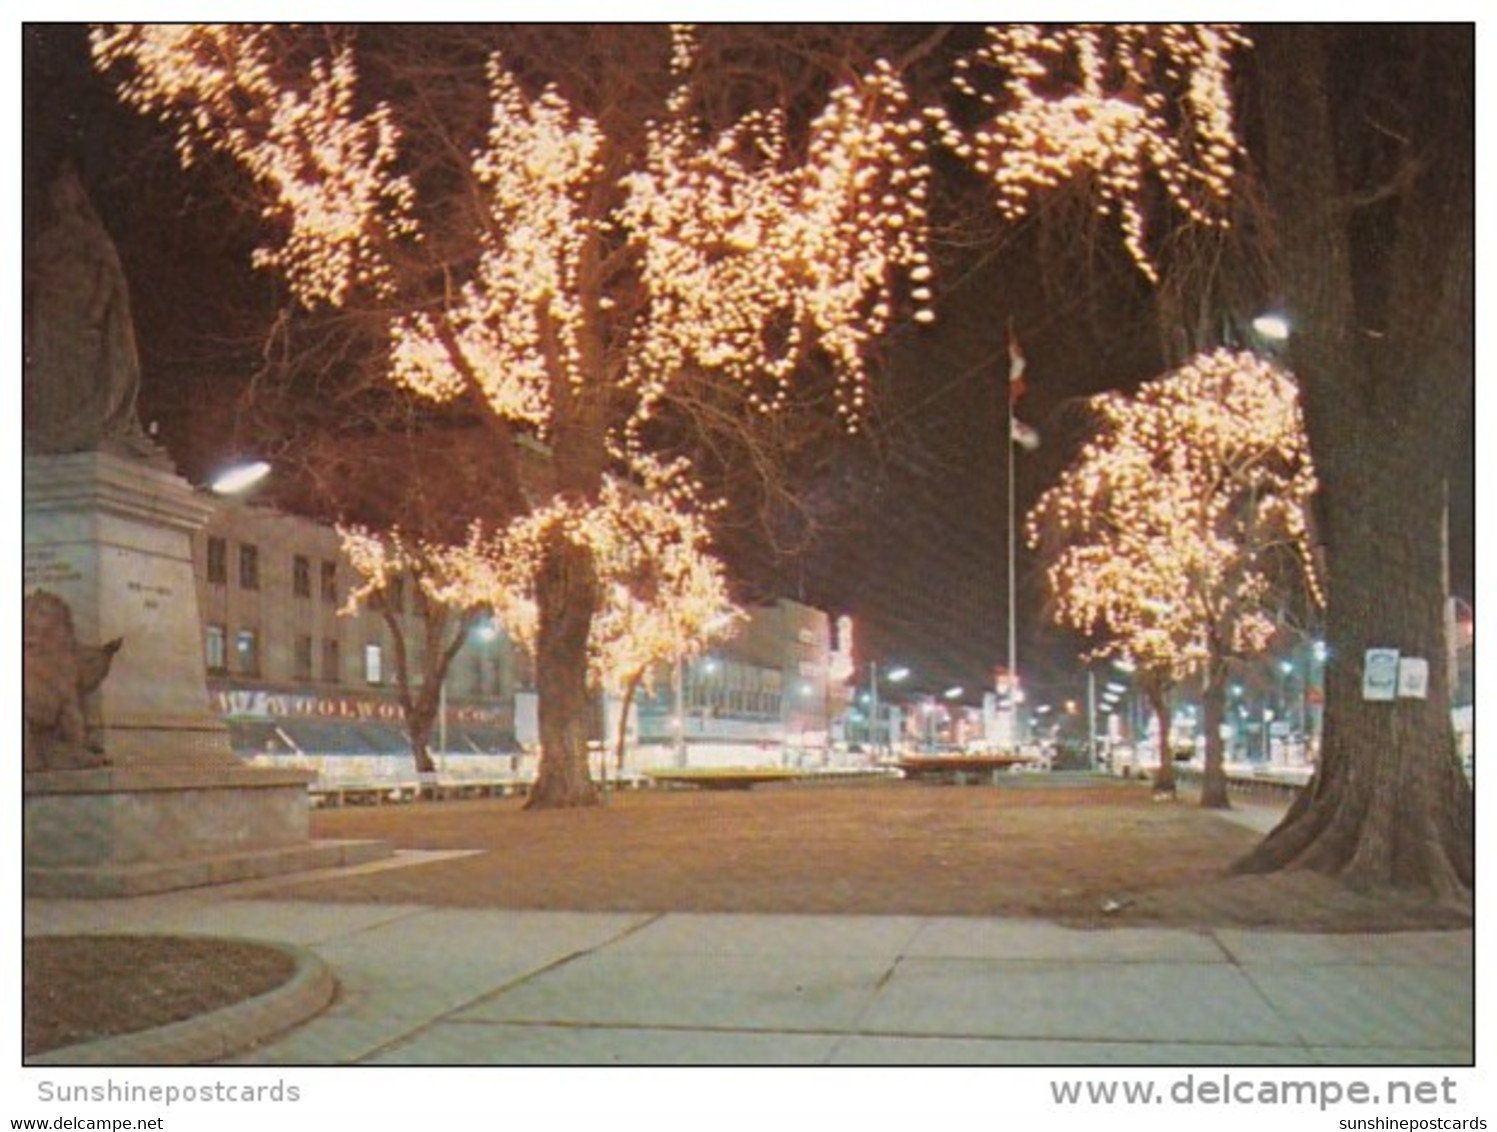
954 693
894 675
1273 325
239 478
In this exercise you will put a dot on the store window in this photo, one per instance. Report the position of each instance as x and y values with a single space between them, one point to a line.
218 561
302 661
332 661
247 652
249 566
374 664
216 648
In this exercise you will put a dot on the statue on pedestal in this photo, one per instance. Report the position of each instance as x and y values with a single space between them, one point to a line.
82 369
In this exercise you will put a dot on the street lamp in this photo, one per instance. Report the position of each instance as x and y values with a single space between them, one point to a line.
1315 688
894 675
239 478
927 724
1272 325
1111 693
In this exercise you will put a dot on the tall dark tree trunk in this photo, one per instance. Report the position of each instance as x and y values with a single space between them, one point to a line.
1381 275
1388 803
1213 710
566 596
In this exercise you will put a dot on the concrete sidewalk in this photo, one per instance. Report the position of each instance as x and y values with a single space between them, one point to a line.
423 985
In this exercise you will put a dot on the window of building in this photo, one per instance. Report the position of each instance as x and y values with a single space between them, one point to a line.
374 664
303 659
216 648
330 582
218 561
332 661
301 576
249 566
247 652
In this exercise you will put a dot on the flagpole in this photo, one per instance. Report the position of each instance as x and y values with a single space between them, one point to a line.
1013 635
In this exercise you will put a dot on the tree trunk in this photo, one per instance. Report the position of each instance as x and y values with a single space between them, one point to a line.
418 728
1213 710
629 693
1383 352
566 596
1389 803
1164 780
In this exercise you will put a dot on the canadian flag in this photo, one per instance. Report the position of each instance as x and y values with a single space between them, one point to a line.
1020 433
1016 367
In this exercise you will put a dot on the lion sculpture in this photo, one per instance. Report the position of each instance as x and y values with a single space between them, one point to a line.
59 673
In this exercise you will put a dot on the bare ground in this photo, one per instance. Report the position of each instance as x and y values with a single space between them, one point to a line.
1030 849
81 988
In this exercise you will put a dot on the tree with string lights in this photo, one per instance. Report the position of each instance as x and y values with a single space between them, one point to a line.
663 596
1179 530
570 228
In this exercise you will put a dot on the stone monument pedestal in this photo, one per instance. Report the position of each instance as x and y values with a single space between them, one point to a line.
174 806
125 831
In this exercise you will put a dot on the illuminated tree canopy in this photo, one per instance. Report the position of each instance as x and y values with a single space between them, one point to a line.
583 256
1169 534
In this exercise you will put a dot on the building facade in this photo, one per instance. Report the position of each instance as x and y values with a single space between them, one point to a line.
298 678
303 680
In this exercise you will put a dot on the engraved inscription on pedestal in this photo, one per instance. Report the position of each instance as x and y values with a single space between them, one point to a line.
50 568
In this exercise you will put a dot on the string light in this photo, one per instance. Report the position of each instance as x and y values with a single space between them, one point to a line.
326 171
736 251
1129 105
661 592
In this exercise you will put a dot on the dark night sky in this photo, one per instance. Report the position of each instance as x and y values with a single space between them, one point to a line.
916 545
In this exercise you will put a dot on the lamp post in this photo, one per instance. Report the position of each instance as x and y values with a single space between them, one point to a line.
678 713
894 675
239 478
1287 703
1315 686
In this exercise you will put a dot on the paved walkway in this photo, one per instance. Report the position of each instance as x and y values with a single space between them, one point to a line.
423 985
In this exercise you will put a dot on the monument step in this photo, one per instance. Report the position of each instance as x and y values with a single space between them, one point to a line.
116 880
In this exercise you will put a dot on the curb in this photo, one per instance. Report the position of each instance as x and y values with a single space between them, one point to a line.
218 1033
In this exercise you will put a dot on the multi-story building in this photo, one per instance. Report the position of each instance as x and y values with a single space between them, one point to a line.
773 693
301 678
297 676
